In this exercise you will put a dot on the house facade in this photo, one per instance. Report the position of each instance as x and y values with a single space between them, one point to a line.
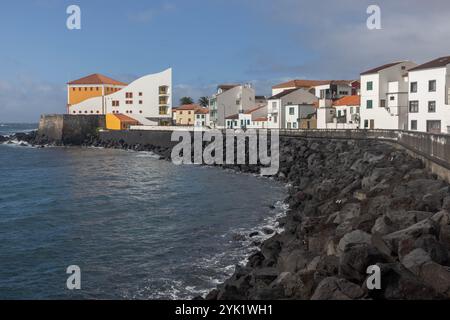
297 116
343 113
94 88
230 99
429 96
147 99
202 117
276 105
255 118
384 96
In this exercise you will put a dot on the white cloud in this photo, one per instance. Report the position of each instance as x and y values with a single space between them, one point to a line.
24 99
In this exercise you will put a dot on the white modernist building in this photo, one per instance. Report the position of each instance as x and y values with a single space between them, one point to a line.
384 96
429 96
147 99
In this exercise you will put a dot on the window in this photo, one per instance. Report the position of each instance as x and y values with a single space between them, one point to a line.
369 86
414 106
79 89
339 113
115 103
97 88
274 105
275 119
383 103
129 95
92 89
366 124
140 111
85 88
163 110
392 98
432 86
369 104
140 94
163 90
129 102
413 87
357 109
73 89
351 110
291 111
413 124
431 106
294 125
140 101
238 102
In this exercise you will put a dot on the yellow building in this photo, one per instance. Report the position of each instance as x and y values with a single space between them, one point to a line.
185 114
119 121
94 85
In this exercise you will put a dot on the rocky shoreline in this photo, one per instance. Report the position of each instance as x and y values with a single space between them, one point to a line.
353 204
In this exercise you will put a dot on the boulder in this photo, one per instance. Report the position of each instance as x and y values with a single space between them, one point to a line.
349 211
333 288
354 237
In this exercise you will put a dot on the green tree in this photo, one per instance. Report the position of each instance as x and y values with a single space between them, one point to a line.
203 101
186 100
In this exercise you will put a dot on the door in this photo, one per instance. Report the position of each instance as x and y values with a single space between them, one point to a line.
434 126
372 124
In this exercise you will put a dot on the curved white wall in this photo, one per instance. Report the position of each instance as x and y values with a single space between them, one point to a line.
149 87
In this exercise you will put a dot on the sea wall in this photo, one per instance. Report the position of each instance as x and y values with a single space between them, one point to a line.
68 129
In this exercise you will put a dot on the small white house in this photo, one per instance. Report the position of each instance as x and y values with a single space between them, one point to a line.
429 96
276 106
296 113
254 118
201 116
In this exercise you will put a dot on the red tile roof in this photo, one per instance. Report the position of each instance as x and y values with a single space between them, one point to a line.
250 111
233 117
260 119
188 107
348 101
202 111
309 83
97 79
125 118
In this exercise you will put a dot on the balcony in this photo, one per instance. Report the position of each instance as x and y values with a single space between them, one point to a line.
163 90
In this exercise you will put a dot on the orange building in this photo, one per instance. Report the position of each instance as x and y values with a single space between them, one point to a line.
118 121
94 85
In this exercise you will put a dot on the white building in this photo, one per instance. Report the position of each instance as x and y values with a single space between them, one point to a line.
147 99
255 118
296 113
230 99
202 117
429 96
336 89
277 103
343 113
384 96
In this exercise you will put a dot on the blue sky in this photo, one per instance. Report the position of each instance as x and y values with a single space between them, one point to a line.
206 42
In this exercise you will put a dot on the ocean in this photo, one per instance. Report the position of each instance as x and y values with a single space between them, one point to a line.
137 227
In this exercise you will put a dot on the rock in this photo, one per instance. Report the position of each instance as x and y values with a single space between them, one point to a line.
437 276
426 226
446 203
271 249
436 250
398 283
356 258
292 261
253 234
268 230
238 237
354 237
360 195
415 260
333 288
349 211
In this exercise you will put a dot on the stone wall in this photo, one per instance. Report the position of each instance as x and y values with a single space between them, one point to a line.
69 129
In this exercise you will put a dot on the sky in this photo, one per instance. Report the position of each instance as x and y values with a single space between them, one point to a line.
206 42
